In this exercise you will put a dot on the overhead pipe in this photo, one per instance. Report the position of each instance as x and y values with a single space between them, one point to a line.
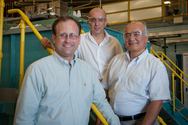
2 5
91 1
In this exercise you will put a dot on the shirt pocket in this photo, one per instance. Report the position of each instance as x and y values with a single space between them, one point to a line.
137 85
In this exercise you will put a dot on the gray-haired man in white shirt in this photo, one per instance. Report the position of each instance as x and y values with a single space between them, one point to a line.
136 83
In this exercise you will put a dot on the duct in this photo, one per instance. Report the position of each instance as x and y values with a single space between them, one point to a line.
91 1
12 19
168 34
22 4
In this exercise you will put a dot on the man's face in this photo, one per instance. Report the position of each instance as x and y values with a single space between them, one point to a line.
66 39
97 21
135 39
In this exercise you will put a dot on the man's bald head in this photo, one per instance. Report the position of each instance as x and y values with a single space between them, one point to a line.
97 10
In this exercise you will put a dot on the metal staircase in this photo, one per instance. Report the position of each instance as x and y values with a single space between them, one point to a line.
175 108
180 115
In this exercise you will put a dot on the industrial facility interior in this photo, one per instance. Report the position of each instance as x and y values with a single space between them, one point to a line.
167 22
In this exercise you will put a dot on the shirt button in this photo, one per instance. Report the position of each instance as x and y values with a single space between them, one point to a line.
74 98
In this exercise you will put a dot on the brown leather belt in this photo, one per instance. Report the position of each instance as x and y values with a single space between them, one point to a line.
133 117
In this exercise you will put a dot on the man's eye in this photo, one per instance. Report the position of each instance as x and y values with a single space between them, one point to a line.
137 34
100 19
72 35
63 35
127 34
93 19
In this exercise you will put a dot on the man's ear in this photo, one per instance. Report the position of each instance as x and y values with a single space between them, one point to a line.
106 22
79 39
53 38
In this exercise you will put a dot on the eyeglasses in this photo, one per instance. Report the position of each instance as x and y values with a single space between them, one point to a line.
94 20
64 36
136 34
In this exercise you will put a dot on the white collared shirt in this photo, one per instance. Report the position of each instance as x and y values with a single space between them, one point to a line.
133 85
100 55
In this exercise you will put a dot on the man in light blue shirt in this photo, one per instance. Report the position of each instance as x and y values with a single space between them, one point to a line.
59 89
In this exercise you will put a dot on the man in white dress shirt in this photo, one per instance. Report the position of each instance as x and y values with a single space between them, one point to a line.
136 82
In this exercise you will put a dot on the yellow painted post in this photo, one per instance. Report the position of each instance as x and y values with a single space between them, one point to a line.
162 57
162 8
128 11
2 5
181 88
173 91
22 50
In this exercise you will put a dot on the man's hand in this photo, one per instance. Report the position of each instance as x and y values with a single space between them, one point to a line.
45 42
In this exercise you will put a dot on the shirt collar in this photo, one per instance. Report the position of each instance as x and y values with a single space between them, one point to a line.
62 61
107 36
139 58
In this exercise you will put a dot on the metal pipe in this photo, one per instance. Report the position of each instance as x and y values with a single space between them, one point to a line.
173 91
26 19
181 75
91 1
2 5
12 19
22 50
100 116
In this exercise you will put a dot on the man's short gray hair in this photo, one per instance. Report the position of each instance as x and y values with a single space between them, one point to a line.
145 26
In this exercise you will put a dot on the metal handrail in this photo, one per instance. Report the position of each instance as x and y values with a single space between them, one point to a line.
172 63
152 51
26 19
161 120
173 72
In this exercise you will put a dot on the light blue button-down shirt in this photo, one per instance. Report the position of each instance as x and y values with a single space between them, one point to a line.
55 93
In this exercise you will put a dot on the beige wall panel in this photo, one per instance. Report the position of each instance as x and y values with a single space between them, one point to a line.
144 3
146 13
117 17
115 7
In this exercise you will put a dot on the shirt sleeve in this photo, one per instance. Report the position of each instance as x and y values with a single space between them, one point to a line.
100 101
159 84
29 97
118 48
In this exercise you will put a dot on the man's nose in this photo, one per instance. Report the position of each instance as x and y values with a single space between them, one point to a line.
132 37
67 39
97 22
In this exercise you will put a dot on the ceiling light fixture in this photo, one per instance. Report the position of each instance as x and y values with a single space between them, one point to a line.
167 2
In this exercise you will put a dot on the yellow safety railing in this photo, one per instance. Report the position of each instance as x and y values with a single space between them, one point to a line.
26 19
22 50
173 74
2 5
128 10
161 121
